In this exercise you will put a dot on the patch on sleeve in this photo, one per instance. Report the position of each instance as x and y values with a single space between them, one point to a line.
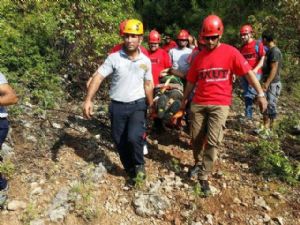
144 67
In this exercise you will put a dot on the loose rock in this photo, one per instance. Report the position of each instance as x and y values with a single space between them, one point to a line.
16 205
149 204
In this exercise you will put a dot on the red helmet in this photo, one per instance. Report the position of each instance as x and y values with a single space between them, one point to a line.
121 27
183 35
212 26
154 37
246 29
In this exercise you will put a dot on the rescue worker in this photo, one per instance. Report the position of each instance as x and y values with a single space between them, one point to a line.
159 58
169 43
271 78
211 75
179 56
254 53
7 97
130 92
167 96
118 47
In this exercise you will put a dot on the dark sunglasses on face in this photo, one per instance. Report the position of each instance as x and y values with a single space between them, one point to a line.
213 38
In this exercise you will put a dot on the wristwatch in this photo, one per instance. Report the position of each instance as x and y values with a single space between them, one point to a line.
261 95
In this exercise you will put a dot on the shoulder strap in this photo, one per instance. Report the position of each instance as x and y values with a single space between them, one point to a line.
257 46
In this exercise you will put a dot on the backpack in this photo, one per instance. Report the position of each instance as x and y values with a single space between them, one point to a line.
257 47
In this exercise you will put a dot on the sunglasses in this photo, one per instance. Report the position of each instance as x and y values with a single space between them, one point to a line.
213 38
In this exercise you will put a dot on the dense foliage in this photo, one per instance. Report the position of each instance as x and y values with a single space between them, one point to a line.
46 45
281 16
49 48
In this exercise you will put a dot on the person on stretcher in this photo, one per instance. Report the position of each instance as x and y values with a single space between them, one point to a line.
167 101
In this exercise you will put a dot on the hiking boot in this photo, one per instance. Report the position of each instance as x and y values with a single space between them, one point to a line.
161 106
205 188
172 110
194 171
130 172
130 182
3 191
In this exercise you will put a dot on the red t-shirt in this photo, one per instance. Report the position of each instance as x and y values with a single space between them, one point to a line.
212 72
252 54
160 60
169 46
118 47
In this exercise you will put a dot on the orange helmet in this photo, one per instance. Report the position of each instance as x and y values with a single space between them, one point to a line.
121 27
212 26
154 37
246 29
183 35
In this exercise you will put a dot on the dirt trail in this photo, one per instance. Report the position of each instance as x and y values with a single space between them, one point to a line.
59 155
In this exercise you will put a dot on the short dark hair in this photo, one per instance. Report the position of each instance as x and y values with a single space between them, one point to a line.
268 35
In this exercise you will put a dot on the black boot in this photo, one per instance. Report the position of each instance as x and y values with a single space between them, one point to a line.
172 110
161 106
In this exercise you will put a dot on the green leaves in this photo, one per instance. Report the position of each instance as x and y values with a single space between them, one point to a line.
27 50
272 160
43 41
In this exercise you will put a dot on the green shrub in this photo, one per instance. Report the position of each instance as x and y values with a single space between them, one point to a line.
7 168
81 196
286 124
29 214
175 165
272 162
27 51
46 45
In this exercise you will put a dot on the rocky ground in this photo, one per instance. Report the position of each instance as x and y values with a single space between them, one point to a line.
67 172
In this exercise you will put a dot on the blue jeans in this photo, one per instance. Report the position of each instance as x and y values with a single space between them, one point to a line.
128 124
249 95
3 130
3 134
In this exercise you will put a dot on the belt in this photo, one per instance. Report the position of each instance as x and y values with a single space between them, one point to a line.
130 103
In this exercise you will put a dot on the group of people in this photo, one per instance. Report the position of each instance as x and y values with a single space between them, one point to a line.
177 77
185 75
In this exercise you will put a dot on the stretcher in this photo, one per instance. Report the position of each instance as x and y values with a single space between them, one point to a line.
176 118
